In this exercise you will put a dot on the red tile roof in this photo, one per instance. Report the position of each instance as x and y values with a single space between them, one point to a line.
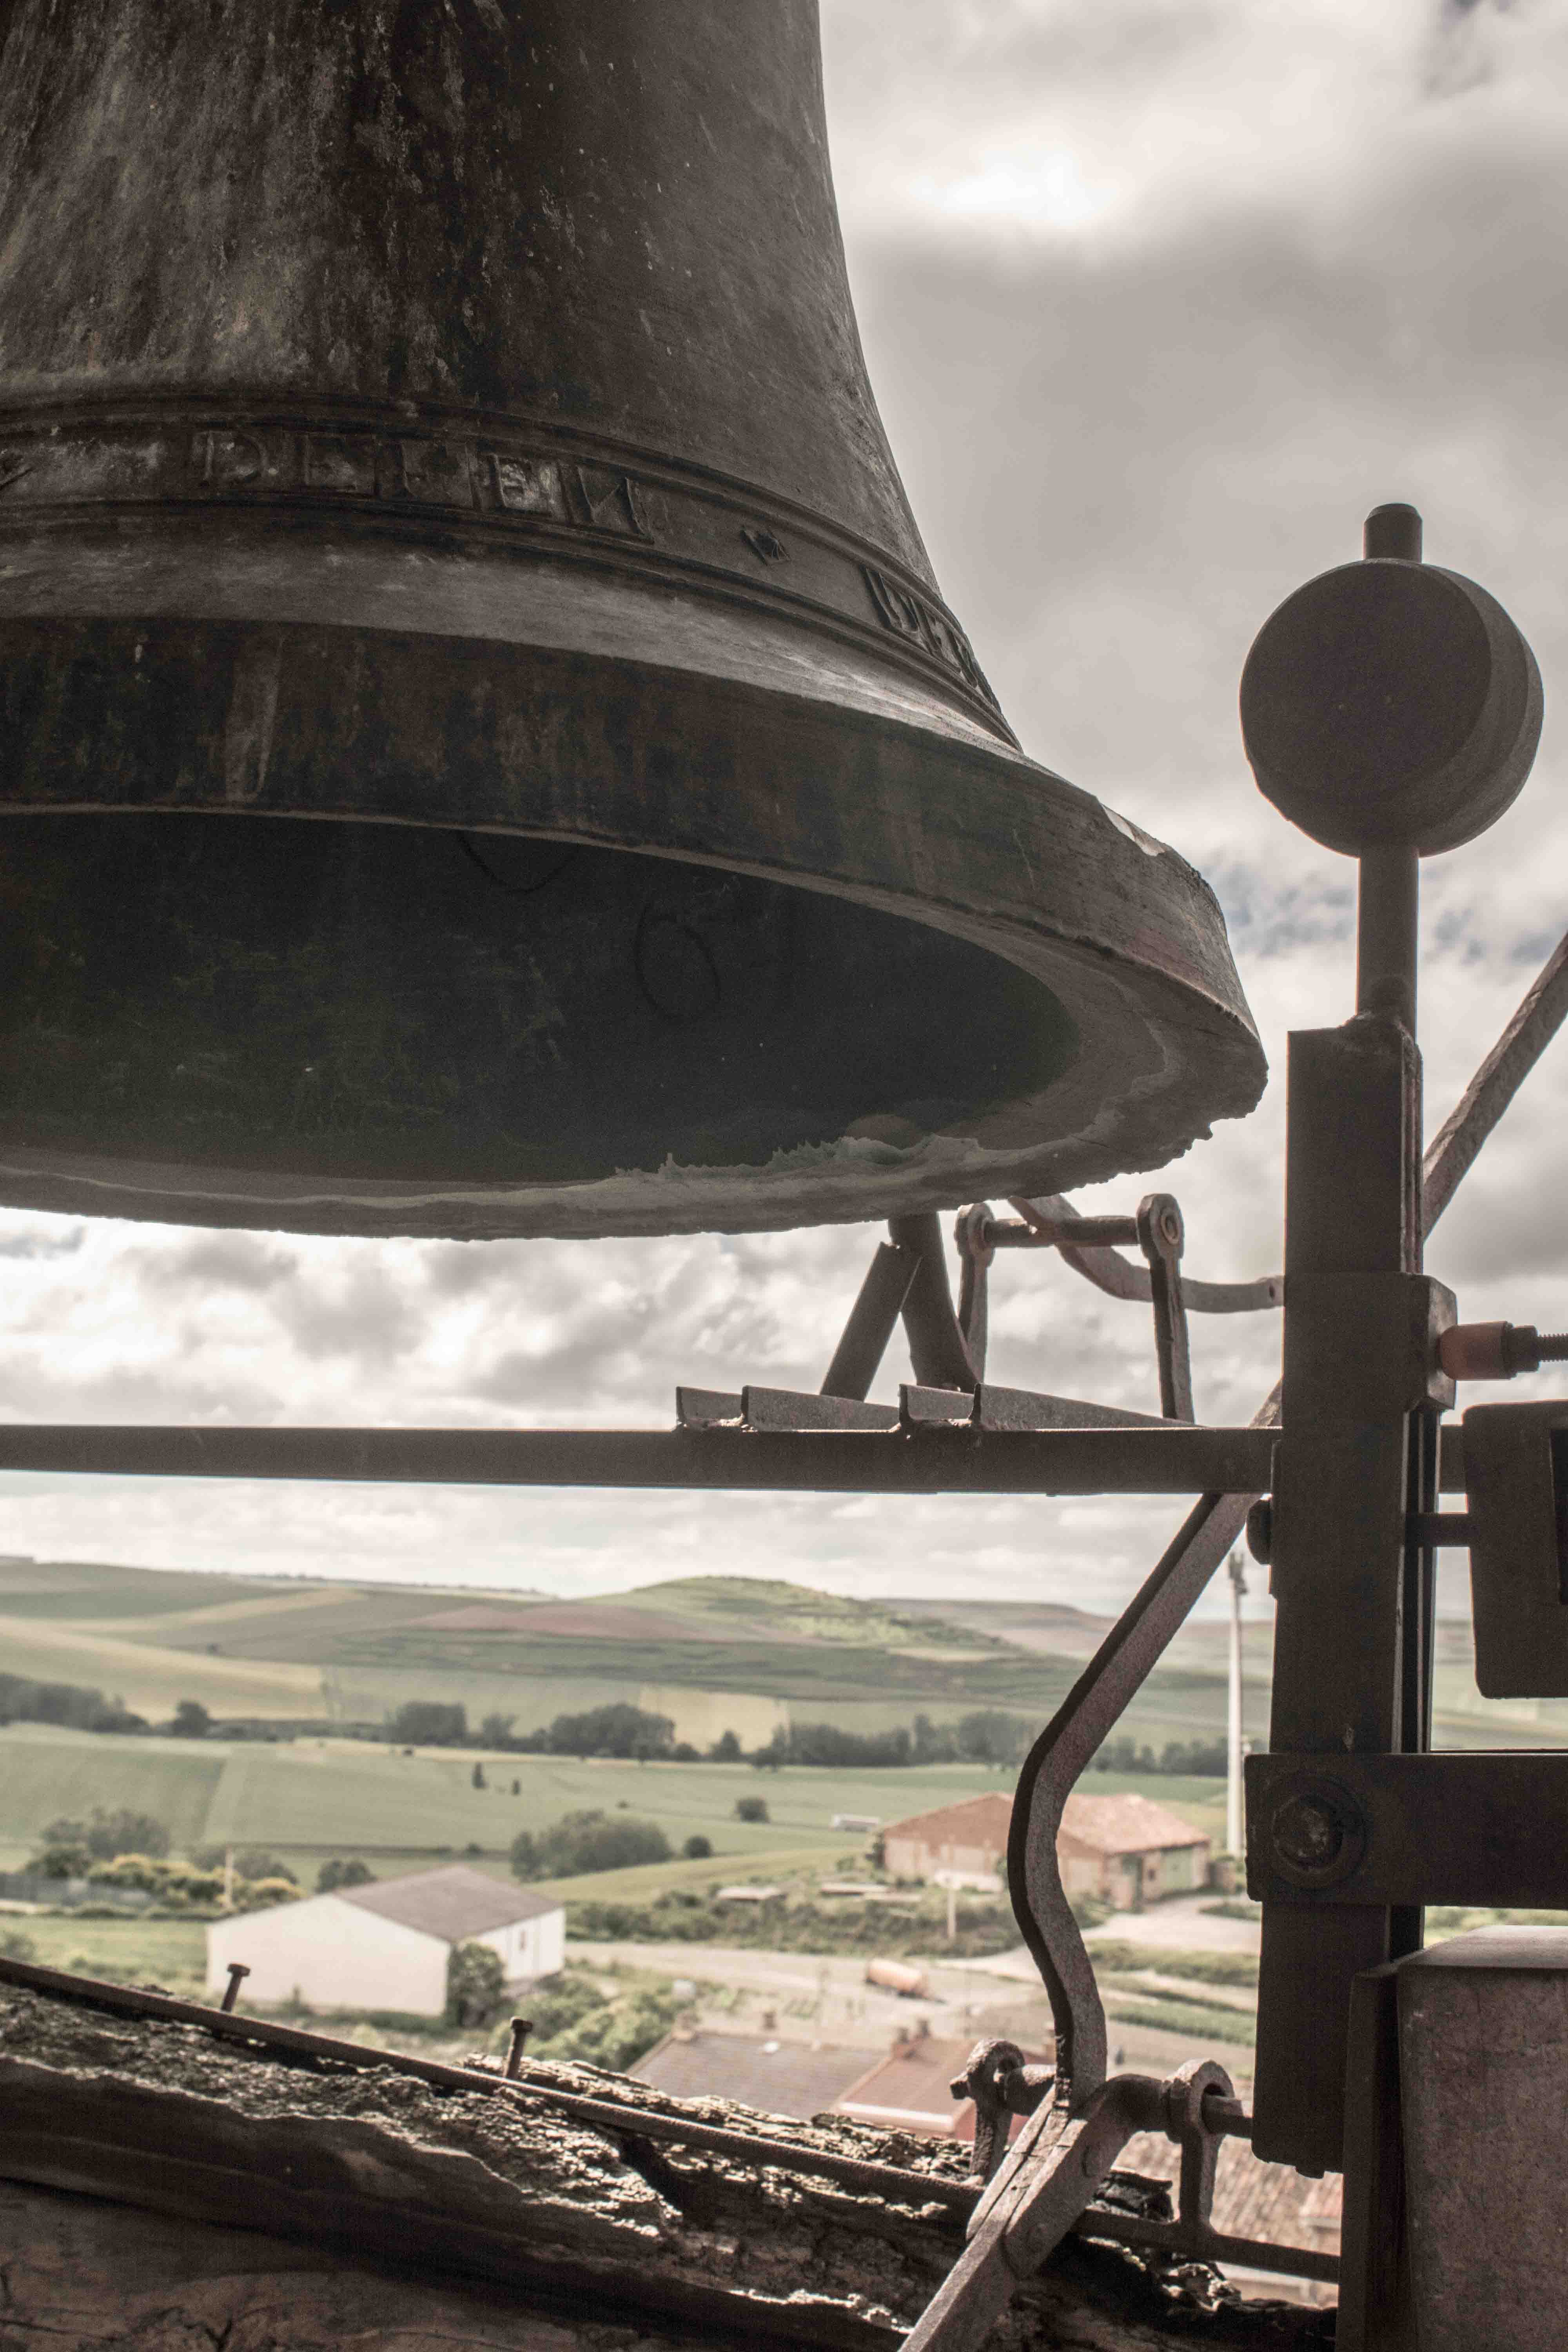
1126 1824
910 2088
977 1821
1119 1824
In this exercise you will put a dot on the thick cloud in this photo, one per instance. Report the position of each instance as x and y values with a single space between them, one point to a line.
1158 300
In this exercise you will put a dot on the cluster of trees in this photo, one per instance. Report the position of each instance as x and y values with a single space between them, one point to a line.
574 2021
79 1708
579 1842
70 1704
125 1850
336 1873
69 1848
987 1736
619 1730
475 1984
1200 1759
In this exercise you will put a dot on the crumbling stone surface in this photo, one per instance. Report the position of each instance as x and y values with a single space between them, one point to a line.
359 2174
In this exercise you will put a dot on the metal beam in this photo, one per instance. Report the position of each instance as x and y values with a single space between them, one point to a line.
1354 1376
1354 1834
961 1460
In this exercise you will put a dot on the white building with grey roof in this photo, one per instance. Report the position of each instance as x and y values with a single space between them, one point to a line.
385 1945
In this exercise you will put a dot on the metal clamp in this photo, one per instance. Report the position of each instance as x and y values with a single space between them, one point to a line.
1001 2083
1060 2162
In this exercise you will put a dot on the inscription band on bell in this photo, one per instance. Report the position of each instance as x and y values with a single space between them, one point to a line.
697 529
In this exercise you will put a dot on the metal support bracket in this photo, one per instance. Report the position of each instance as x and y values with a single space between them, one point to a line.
1059 2163
1382 1831
1001 2083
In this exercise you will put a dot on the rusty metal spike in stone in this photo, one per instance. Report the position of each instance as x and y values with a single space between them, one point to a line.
447 423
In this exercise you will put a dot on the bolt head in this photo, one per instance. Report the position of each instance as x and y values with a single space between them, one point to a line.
1308 1834
1315 1834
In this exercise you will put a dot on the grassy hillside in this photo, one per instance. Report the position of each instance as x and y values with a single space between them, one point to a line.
712 1653
312 1797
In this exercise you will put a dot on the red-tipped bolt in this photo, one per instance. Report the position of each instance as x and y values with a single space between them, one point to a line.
1496 1351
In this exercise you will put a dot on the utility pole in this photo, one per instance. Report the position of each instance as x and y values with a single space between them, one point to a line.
1233 1831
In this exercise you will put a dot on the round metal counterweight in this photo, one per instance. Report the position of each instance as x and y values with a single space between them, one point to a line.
1390 704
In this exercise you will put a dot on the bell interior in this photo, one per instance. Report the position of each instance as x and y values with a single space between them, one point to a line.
325 999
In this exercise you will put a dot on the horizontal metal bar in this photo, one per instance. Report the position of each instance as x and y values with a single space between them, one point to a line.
1176 1460
1210 2246
1448 1826
1072 1233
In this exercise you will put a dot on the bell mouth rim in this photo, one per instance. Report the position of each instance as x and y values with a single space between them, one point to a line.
882 801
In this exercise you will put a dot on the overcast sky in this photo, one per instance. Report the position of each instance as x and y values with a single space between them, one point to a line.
1159 296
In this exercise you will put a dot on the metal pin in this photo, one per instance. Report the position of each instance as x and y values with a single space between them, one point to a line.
521 2027
238 1972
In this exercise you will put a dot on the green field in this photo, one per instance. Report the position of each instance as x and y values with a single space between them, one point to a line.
712 1653
169 1953
310 1797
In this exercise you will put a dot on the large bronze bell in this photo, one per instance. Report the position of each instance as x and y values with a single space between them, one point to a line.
444 420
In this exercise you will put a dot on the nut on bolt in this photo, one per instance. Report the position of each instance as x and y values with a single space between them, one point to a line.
1316 1834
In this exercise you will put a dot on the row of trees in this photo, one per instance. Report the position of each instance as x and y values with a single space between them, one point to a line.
987 1735
1203 1760
79 1708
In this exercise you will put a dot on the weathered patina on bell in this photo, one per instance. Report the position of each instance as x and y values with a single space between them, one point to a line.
481 748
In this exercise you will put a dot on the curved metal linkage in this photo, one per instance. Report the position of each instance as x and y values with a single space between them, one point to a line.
1138 1641
1051 1770
1119 1277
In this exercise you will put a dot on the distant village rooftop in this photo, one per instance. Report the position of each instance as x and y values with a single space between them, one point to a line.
1126 1823
1121 1848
